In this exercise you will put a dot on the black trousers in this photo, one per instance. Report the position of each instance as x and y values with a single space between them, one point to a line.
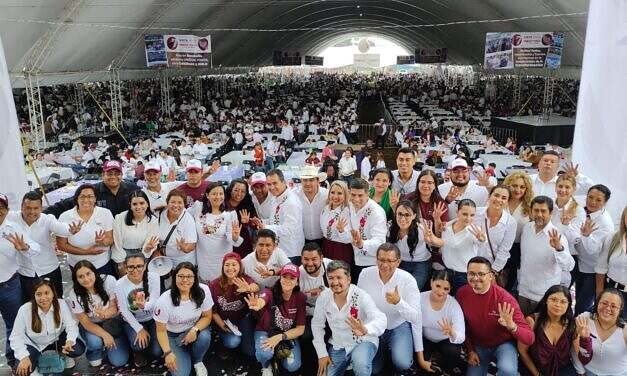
28 283
448 354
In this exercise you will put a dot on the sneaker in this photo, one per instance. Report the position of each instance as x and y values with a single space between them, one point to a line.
69 362
200 369
95 363
139 360
267 371
290 358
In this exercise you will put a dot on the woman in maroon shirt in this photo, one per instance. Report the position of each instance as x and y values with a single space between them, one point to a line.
231 313
557 334
238 198
282 321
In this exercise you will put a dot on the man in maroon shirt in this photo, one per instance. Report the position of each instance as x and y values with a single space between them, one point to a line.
195 186
494 322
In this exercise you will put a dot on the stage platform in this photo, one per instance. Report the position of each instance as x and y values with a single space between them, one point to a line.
534 129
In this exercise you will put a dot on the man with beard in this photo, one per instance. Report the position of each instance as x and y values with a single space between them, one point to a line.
461 187
355 322
156 191
261 197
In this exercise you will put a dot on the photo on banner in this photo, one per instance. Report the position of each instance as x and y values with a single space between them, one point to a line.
177 51
523 50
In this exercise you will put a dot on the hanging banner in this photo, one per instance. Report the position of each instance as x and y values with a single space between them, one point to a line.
431 55
523 50
177 50
366 60
13 182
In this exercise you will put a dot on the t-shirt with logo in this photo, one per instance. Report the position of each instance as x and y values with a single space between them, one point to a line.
288 315
193 194
229 304
94 300
181 318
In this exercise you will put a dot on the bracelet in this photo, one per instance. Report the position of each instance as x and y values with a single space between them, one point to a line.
165 354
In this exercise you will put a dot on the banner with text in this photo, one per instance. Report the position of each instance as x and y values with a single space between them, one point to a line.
177 50
523 50
366 60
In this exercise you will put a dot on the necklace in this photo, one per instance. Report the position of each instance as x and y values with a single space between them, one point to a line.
606 329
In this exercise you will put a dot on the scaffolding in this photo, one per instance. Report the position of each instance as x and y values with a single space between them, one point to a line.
35 112
164 81
198 89
516 93
116 99
547 103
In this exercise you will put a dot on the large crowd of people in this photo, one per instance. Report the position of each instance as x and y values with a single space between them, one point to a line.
350 266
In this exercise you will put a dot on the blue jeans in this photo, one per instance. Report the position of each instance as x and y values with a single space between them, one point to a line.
11 298
419 269
188 355
264 356
400 343
247 327
459 280
79 349
506 360
118 356
153 344
360 358
585 284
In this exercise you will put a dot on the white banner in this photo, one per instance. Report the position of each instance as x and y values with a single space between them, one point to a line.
13 181
177 50
366 60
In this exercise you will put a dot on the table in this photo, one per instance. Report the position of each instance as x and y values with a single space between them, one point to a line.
65 173
311 145
503 162
227 173
237 157
298 158
65 192
163 140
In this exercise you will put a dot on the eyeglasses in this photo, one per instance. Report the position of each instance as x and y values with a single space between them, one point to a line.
386 261
558 301
186 276
134 267
86 197
404 215
612 307
477 275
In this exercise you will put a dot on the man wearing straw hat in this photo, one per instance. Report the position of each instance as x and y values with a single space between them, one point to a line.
312 199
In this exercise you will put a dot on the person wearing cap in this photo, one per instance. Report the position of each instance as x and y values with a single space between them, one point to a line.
312 199
155 189
195 186
355 322
262 200
461 187
286 220
41 228
281 312
267 259
112 192
229 290
405 178
14 244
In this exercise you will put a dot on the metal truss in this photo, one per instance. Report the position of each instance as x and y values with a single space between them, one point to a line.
516 96
116 98
164 81
198 88
35 111
547 103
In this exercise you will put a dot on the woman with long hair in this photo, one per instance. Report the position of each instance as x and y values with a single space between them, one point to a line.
443 326
381 192
133 228
335 224
92 301
407 236
427 199
93 241
611 267
597 226
218 232
231 311
45 323
136 294
281 313
557 336
183 315
608 332
519 206
239 199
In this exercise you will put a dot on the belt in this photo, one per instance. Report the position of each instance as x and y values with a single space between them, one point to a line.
612 283
3 284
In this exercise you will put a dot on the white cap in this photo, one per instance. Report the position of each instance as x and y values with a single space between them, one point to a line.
152 166
193 164
258 178
459 162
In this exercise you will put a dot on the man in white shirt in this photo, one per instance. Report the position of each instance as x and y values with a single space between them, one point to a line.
91 156
156 191
355 322
544 255
312 199
544 181
368 225
262 199
405 177
263 265
286 220
396 294
287 133
461 187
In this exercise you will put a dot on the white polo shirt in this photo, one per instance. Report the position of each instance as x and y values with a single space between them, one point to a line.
181 318
311 212
478 194
100 220
286 221
277 259
459 248
501 236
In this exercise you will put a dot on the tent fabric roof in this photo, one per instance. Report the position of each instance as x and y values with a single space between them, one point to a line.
90 35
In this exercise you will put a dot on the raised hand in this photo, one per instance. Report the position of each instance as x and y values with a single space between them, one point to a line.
395 197
257 223
152 243
566 217
235 230
483 179
571 170
100 237
180 244
357 326
18 242
583 330
588 228
241 284
264 271
357 240
244 215
478 232
75 227
439 209
254 302
341 224
447 327
393 297
554 240
506 316
140 299
453 193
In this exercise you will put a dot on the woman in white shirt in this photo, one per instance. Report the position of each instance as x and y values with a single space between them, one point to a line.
93 303
406 234
52 327
443 327
218 231
609 337
136 294
461 240
347 165
611 268
177 232
95 237
133 228
335 225
519 206
183 315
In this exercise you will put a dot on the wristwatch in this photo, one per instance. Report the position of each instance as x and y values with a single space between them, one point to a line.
283 337
165 354
196 330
